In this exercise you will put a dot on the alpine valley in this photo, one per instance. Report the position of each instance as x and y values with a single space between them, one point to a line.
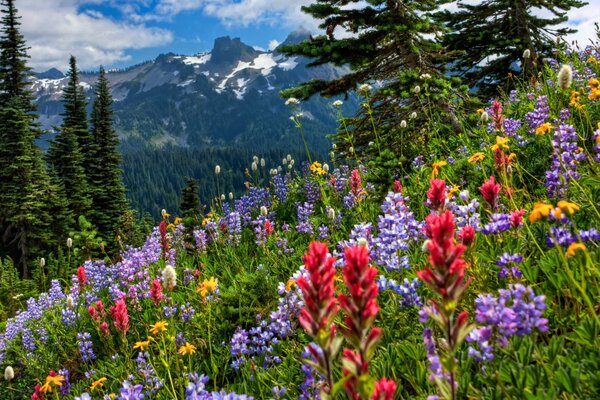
179 116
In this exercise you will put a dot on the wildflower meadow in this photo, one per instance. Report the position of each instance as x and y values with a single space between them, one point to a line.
475 274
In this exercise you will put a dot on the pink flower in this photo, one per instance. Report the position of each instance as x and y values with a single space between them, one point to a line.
120 315
384 390
81 277
437 194
490 191
156 291
467 235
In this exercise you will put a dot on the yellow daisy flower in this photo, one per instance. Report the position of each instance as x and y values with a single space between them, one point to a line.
544 128
51 381
98 384
479 156
143 345
574 247
567 207
160 326
540 211
186 349
207 286
501 143
436 168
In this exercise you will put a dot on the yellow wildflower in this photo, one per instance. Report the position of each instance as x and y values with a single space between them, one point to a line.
317 168
177 221
436 168
574 247
209 285
186 349
557 213
160 326
540 211
567 207
575 100
98 384
291 283
512 157
544 128
453 191
479 156
501 143
594 89
143 345
51 381
165 214
480 111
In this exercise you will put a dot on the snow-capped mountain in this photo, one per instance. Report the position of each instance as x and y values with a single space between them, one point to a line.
228 96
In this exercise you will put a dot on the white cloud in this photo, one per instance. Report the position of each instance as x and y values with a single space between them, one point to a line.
55 29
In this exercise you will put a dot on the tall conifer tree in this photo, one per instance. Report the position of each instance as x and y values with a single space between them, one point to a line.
108 193
190 201
75 115
391 42
494 34
27 194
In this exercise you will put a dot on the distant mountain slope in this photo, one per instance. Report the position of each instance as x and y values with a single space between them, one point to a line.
226 97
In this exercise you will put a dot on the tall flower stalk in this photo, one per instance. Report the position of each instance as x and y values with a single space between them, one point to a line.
445 276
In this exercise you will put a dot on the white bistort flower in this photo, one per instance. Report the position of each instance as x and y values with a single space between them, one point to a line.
565 77
169 277
292 101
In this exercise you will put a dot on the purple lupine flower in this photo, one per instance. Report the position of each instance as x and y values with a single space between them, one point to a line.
150 380
418 163
499 222
565 158
408 290
85 346
312 192
305 210
561 236
509 262
322 232
590 235
65 388
130 392
539 115
517 311
201 240
281 184
397 229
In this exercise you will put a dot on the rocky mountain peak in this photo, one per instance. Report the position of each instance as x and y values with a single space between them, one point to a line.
228 52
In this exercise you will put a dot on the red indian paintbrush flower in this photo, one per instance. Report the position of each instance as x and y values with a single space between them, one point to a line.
446 274
355 182
361 308
497 116
437 194
397 186
490 191
156 291
516 218
384 390
467 235
81 277
120 315
320 309
162 228
320 304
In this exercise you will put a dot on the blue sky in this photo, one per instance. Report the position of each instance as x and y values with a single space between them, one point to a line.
118 33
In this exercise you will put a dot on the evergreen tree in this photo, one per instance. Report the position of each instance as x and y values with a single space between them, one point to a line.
67 163
25 188
75 115
391 42
108 193
13 61
494 34
25 220
190 201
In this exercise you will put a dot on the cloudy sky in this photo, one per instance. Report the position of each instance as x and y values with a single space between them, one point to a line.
118 33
